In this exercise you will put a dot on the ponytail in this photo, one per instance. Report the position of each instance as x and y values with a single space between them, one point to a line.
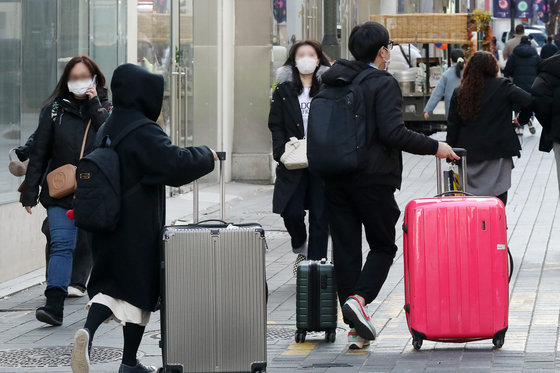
458 56
459 67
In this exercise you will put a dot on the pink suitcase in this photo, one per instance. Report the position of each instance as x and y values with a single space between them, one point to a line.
456 267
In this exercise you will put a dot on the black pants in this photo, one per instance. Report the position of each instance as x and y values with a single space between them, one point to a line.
503 197
310 194
349 208
82 260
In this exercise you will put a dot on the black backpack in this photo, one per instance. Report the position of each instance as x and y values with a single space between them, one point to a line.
336 133
97 199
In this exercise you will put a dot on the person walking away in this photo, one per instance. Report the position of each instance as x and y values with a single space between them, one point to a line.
125 280
447 84
522 67
514 42
366 197
546 104
79 101
297 190
480 121
496 50
549 49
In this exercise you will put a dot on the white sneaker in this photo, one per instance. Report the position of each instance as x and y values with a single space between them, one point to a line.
75 292
355 341
358 316
80 352
532 128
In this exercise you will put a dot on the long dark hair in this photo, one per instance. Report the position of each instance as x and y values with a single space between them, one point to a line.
481 65
455 55
291 61
61 89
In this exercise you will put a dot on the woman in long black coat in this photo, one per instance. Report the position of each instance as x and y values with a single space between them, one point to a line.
297 190
125 280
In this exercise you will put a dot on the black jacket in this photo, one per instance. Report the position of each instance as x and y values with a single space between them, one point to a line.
58 141
522 66
387 135
548 50
491 135
285 121
126 261
546 100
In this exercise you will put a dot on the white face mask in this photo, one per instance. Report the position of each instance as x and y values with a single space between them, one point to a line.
387 62
306 65
79 87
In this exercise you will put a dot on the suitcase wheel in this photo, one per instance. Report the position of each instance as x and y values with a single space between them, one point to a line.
417 344
300 336
330 336
498 342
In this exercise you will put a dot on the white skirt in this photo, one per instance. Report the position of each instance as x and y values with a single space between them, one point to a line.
123 312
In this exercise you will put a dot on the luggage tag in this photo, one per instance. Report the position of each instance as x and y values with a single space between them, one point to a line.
451 179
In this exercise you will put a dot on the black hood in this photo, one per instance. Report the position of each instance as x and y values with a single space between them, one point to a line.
551 65
525 50
134 88
343 72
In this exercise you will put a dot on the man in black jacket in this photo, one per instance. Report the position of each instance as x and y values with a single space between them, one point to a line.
367 197
546 104
549 49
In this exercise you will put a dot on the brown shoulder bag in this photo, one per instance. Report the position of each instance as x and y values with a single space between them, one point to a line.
62 181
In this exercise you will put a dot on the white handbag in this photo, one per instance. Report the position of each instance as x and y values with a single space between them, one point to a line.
295 154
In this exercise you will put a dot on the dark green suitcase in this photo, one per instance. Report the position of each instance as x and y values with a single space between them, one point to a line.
316 309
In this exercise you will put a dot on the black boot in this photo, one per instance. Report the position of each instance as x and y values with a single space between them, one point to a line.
52 312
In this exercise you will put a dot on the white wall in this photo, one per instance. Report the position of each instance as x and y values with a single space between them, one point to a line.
22 245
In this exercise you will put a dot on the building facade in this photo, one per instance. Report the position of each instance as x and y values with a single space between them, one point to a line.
218 58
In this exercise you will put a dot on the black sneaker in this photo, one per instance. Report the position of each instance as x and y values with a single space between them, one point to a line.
139 368
300 258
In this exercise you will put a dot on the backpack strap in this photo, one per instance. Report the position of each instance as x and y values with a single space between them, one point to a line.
131 127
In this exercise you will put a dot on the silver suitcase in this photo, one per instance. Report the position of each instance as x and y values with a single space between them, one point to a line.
213 316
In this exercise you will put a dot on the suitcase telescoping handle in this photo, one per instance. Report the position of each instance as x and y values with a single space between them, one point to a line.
221 159
462 163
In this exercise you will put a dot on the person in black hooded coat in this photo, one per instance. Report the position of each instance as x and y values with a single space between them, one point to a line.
125 279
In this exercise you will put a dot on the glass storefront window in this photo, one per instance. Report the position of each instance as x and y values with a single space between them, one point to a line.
37 39
10 91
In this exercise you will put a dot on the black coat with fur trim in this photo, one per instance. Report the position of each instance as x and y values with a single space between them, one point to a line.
285 121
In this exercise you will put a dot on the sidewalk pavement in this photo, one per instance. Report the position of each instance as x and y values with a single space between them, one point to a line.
531 343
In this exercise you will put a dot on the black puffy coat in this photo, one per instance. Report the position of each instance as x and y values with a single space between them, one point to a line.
58 141
522 66
546 100
126 261
491 135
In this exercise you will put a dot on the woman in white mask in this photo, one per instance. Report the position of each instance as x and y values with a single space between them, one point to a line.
297 190
67 127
